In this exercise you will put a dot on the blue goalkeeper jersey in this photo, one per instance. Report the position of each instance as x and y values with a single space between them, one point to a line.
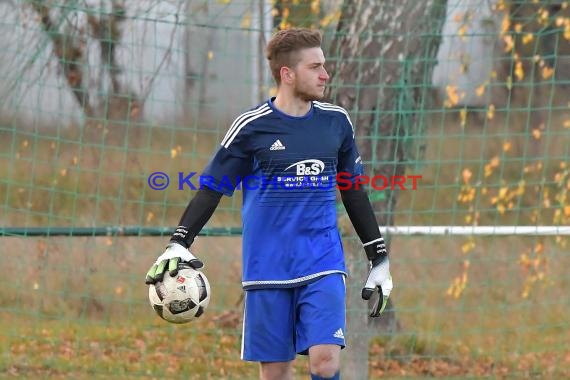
287 169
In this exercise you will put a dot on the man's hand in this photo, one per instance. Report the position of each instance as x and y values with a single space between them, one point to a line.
169 260
380 280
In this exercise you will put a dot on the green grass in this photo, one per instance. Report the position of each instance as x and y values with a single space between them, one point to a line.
135 349
81 303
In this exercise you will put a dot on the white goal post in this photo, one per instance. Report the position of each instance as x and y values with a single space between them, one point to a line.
477 230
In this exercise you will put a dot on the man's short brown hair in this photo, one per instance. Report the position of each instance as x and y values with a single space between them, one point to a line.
283 48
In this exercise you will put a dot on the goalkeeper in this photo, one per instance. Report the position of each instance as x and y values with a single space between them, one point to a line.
293 260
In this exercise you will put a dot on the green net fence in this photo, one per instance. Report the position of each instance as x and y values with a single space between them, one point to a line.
98 97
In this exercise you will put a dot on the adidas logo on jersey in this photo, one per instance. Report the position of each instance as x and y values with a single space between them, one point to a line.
339 334
277 145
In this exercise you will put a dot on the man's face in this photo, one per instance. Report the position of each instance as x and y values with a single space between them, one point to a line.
310 75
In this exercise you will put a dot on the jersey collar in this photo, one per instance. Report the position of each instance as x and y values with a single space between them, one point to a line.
287 116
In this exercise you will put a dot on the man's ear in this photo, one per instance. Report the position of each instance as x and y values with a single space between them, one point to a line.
287 75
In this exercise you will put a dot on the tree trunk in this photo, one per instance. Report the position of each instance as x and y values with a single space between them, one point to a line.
381 62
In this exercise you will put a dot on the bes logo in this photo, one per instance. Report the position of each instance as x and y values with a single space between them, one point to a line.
308 167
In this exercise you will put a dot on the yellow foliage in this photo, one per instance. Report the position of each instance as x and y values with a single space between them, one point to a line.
559 177
459 283
468 246
466 195
547 72
503 191
505 24
543 16
466 175
500 5
509 82
462 31
174 152
452 96
509 43
481 89
315 6
527 38
491 112
463 117
246 20
521 187
524 261
330 18
519 71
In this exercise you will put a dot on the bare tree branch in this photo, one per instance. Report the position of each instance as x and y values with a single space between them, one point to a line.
164 57
69 54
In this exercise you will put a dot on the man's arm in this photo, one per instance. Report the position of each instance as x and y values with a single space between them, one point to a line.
232 160
197 213
361 214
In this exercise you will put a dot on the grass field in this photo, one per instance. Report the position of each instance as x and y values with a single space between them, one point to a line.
77 307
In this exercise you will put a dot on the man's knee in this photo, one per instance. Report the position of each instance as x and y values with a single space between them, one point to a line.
324 361
276 371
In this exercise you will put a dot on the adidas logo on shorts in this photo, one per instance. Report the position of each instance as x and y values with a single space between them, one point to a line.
339 334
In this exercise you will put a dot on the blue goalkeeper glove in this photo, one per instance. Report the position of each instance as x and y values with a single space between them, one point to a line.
174 255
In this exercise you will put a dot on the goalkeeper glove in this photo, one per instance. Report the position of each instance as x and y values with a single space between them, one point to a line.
169 261
379 280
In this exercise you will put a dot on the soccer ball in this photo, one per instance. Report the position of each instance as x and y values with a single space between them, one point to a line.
181 298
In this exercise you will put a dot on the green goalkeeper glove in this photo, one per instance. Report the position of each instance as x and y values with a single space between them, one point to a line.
174 255
379 283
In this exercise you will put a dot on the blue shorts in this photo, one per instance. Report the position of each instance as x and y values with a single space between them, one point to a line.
278 324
